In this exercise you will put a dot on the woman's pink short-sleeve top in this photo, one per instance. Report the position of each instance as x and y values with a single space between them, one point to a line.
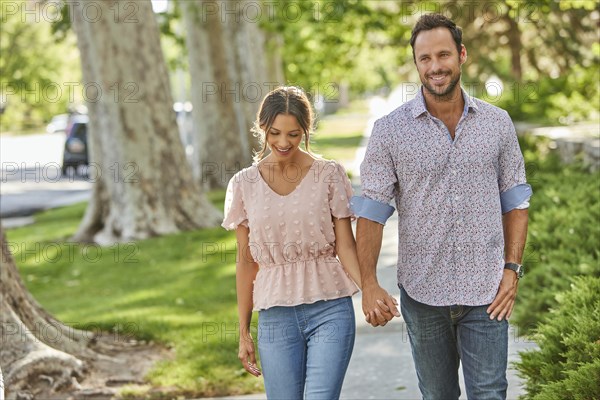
291 237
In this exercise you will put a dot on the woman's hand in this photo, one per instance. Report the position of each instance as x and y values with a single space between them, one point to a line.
247 356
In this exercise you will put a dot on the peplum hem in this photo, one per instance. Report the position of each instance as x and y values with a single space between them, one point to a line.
301 282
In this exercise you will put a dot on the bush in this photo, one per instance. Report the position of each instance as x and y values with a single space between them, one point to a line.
567 364
572 97
564 231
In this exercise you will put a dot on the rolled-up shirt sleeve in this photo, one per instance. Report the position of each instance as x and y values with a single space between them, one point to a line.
515 192
378 179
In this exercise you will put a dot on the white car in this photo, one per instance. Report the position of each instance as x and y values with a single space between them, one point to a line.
58 123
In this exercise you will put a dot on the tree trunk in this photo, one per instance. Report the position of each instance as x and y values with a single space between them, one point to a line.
143 184
1 384
226 51
33 344
274 44
514 40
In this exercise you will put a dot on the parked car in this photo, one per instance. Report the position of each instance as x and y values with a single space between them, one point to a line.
58 123
76 145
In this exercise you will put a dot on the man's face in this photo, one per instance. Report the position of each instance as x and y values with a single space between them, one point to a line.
438 62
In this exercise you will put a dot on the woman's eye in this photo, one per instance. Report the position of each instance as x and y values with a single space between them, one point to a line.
293 135
274 133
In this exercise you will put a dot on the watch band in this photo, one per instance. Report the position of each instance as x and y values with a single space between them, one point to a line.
518 268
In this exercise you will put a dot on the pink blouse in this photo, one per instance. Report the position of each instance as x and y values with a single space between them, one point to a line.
291 237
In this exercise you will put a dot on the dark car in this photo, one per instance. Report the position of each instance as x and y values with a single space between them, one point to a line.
76 145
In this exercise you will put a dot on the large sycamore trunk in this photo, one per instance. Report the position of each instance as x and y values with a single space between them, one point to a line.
143 184
32 343
228 66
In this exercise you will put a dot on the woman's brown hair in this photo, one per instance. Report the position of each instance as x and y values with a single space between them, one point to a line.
283 100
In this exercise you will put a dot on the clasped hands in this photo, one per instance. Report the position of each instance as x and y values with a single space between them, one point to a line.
378 306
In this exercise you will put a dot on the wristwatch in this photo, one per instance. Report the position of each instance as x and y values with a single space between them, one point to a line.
518 268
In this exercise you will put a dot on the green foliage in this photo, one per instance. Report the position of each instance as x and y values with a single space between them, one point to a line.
567 363
327 42
39 75
544 51
564 231
573 97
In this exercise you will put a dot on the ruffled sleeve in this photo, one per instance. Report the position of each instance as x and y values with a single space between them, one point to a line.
340 192
235 211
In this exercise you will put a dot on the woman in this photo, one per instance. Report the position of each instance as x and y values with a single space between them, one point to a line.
291 214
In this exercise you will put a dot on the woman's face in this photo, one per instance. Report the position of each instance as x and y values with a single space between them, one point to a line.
284 137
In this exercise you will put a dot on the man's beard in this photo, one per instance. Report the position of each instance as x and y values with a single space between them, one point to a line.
446 94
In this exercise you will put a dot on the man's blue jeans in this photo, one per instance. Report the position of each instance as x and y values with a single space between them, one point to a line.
305 349
442 337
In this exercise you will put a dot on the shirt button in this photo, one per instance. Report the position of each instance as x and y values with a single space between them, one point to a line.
459 248
457 198
453 172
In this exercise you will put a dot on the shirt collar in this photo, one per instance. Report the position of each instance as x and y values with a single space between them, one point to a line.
420 108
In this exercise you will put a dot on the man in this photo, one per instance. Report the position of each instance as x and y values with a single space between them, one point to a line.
453 165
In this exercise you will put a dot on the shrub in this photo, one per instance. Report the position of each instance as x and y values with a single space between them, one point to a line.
564 231
567 363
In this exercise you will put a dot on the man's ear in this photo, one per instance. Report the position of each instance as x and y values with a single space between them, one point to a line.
462 58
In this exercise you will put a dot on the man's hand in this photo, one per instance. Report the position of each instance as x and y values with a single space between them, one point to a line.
504 302
378 306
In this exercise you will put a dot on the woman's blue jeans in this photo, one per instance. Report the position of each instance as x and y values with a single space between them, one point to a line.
441 337
305 349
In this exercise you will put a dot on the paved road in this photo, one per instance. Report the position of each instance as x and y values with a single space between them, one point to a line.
30 177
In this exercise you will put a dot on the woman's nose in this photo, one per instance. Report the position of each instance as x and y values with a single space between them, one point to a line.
282 142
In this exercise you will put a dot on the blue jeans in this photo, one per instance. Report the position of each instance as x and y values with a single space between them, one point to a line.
442 337
305 349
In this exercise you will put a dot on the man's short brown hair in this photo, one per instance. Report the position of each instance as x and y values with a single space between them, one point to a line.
431 21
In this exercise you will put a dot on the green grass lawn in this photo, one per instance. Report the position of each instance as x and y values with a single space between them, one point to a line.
178 290
337 136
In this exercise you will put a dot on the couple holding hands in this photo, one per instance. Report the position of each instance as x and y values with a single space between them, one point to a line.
453 165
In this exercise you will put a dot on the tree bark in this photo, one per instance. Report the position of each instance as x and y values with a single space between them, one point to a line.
1 384
514 40
143 184
33 343
226 51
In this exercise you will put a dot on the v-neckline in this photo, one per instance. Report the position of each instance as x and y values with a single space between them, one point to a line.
295 188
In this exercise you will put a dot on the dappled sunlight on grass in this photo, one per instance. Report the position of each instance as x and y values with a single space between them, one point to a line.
176 289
